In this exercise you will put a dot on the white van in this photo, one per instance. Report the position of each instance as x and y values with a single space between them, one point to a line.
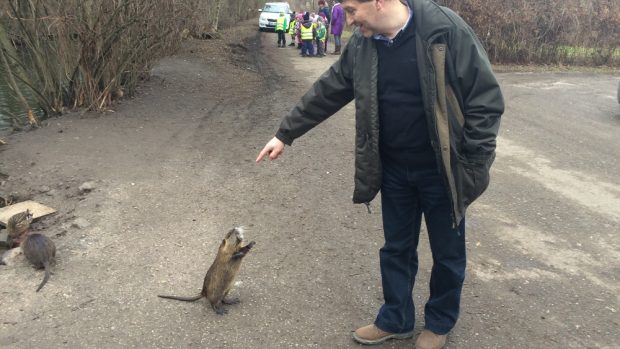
270 13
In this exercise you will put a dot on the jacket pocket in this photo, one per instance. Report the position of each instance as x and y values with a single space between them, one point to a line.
473 178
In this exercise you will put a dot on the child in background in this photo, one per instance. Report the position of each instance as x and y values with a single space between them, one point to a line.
321 34
299 20
291 28
325 12
308 35
281 29
313 19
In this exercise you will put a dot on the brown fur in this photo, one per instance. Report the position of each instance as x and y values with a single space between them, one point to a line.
222 273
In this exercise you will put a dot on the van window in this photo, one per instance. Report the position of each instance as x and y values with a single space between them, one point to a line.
277 8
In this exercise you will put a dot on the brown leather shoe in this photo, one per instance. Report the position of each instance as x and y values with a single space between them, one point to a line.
371 335
430 340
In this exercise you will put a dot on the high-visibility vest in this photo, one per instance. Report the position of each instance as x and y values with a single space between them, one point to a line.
306 33
291 27
280 23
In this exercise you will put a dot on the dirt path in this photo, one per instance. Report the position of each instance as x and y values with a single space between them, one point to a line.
173 170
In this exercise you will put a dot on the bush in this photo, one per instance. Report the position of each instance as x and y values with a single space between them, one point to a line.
545 31
85 53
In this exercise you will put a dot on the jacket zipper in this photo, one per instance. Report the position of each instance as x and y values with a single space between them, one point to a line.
433 83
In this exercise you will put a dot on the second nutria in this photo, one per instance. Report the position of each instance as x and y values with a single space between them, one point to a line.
40 251
221 274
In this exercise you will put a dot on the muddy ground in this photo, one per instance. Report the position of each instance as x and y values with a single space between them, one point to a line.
173 169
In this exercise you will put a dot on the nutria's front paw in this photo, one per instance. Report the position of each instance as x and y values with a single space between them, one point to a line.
230 301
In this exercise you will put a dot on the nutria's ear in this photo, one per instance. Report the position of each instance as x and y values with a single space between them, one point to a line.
223 243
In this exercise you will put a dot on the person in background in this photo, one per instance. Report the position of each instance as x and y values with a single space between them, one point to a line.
281 28
291 28
428 110
324 10
337 24
321 33
298 22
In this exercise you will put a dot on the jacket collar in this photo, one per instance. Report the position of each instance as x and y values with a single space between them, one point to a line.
430 19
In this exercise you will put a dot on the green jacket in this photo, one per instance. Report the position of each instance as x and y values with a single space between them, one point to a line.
320 32
291 27
462 101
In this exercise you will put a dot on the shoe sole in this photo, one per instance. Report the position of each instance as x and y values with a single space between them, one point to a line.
417 347
382 339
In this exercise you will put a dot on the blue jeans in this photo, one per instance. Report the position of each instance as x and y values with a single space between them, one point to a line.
307 48
337 40
406 194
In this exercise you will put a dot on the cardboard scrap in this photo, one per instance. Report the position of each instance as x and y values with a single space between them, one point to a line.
37 210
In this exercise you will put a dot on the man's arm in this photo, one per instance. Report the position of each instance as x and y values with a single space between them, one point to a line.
332 91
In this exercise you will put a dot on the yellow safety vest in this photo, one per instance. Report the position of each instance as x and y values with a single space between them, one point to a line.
280 23
306 33
291 27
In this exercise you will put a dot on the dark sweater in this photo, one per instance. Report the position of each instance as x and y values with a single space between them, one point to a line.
404 135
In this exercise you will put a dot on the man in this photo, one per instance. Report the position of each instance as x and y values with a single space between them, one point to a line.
337 25
427 114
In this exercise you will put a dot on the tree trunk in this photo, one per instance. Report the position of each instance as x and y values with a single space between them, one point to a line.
218 6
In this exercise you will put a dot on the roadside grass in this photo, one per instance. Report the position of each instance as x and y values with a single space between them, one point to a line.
584 52
554 68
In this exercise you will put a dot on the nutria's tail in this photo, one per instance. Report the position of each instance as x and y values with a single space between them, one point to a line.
46 265
184 299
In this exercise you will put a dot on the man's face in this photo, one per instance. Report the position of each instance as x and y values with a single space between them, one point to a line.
363 15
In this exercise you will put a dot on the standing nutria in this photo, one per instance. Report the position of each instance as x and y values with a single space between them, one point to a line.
40 251
220 276
17 226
